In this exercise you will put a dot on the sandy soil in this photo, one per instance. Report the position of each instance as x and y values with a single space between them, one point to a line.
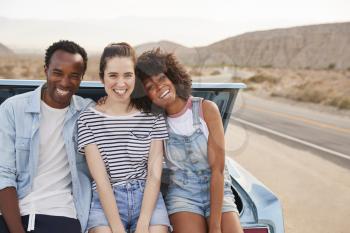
314 192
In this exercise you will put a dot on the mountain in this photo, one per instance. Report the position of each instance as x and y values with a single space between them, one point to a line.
5 51
316 46
183 53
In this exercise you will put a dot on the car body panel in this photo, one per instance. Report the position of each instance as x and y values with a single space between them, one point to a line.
258 206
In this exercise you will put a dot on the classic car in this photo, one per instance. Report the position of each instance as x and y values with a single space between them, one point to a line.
259 209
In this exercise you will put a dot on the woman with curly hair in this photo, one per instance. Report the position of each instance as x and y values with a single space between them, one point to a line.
199 197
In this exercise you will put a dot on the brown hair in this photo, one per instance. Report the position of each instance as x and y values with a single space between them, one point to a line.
122 49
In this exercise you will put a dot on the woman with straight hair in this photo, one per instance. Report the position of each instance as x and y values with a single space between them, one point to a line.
123 146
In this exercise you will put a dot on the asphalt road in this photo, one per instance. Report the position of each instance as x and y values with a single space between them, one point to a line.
304 127
314 192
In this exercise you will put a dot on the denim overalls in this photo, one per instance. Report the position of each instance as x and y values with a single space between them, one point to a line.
189 180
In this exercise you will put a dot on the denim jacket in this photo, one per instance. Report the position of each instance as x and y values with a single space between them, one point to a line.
19 148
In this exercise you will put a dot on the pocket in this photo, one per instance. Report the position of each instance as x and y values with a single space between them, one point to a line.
140 135
22 147
176 152
227 187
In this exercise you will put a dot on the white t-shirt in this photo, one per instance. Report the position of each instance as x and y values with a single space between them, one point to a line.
182 122
52 185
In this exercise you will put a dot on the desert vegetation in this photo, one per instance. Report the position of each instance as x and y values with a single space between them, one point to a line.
31 66
327 86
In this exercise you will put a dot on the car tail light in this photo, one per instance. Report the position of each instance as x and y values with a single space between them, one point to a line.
256 230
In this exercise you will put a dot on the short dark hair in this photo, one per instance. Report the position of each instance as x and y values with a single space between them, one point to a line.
123 49
67 46
154 62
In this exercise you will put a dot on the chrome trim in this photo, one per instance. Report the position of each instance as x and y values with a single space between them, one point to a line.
25 82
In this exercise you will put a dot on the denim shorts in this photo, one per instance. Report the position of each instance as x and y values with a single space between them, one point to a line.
129 199
191 193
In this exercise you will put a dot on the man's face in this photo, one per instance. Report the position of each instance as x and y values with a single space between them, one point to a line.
63 75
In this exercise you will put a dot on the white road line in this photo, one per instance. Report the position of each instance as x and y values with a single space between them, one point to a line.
341 155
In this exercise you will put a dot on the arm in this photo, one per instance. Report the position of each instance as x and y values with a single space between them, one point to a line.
8 194
10 210
150 196
99 174
216 159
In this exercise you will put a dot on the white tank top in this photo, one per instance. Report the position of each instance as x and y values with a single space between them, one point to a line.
182 123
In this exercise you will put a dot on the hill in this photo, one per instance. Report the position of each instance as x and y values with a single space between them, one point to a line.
325 46
5 51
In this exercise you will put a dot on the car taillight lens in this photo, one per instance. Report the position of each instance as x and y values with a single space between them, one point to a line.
256 230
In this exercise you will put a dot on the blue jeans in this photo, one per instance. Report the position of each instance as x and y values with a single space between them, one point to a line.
190 192
190 174
129 200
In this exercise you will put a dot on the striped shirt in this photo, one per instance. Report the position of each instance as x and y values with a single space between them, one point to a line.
123 141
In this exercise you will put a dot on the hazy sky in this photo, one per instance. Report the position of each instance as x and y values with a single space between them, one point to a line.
224 18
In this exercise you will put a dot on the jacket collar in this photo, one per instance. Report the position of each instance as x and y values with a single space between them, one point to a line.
35 100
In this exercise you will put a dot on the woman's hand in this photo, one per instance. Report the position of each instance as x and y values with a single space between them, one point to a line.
142 228
119 229
216 230
101 100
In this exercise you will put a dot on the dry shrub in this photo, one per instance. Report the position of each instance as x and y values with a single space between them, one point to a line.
259 78
310 95
276 94
195 72
344 103
215 72
6 70
249 88
340 102
238 79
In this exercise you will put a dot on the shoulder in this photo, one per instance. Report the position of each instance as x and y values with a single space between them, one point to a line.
83 103
209 105
153 119
86 115
151 115
17 101
210 109
159 117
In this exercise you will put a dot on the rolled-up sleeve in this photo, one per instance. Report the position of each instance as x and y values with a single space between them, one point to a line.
7 147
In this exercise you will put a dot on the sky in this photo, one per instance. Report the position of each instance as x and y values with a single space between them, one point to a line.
188 22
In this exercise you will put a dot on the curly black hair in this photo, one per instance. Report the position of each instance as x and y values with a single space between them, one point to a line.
155 62
67 46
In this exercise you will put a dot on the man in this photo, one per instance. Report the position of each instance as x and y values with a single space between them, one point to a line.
44 182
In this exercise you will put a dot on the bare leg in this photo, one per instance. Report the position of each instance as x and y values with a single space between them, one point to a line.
230 223
158 229
102 229
187 222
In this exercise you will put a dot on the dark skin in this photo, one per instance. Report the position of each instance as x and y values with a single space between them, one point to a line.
162 92
10 210
64 74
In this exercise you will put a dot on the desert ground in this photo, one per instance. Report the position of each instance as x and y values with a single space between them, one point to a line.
314 191
326 87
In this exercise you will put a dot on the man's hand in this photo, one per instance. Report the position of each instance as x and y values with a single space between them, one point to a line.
10 210
102 100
